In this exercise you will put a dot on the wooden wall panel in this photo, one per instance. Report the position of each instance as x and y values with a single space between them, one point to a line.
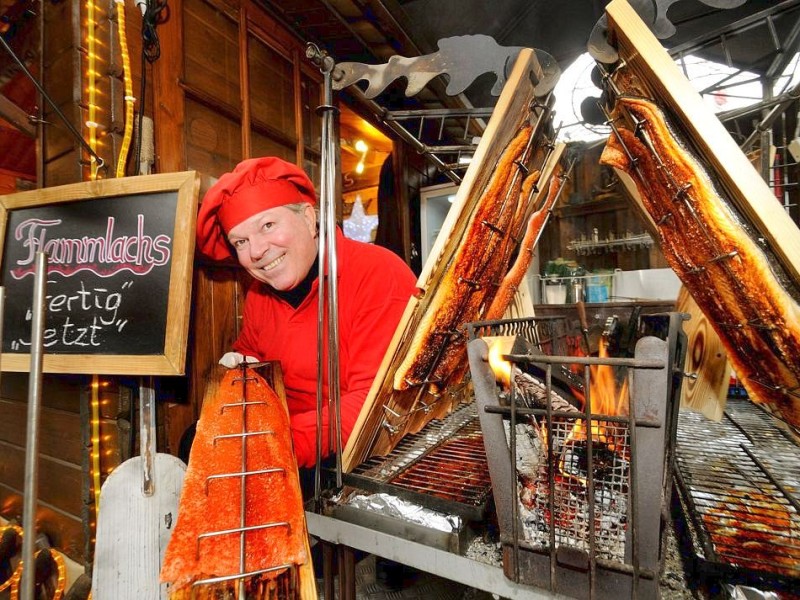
213 142
66 507
272 86
168 112
217 72
59 481
60 431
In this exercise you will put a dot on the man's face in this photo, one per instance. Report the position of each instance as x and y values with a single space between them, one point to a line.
278 245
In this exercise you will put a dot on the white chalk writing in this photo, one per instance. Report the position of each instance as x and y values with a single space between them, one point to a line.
84 317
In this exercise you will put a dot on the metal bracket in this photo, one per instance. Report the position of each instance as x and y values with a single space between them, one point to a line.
654 14
462 58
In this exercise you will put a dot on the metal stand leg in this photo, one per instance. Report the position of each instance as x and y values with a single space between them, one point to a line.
347 573
28 584
327 570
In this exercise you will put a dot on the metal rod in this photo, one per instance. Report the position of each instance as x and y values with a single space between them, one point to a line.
243 486
634 493
240 576
551 479
334 389
76 134
774 480
401 131
28 584
328 268
315 54
147 432
590 491
399 115
771 117
585 360
514 495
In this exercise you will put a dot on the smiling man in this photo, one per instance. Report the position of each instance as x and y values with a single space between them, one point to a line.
264 213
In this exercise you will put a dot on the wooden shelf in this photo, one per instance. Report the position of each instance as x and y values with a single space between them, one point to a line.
568 211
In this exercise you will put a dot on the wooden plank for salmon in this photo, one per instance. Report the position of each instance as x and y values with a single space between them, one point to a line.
707 359
137 511
642 53
388 414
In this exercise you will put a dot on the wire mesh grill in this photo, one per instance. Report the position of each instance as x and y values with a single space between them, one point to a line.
571 519
741 480
550 335
443 466
456 470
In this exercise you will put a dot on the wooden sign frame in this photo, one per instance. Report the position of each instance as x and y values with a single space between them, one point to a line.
172 357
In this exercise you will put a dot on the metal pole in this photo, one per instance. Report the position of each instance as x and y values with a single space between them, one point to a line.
331 173
328 286
28 584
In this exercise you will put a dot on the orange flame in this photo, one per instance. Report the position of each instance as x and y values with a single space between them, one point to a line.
499 346
607 399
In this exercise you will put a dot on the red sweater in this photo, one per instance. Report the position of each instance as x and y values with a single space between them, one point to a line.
374 288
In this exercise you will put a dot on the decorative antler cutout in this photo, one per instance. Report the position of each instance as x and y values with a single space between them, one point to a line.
462 58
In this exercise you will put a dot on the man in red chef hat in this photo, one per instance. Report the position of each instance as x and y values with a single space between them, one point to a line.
264 213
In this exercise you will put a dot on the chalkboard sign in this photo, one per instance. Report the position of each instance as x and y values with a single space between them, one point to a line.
118 278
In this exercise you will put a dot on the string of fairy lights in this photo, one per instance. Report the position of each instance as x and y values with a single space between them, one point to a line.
95 111
10 588
129 98
94 117
91 83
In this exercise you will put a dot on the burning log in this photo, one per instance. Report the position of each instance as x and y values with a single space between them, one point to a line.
534 393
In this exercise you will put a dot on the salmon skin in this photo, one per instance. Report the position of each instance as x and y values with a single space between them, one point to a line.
211 497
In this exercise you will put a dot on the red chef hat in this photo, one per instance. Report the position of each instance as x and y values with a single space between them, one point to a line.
255 185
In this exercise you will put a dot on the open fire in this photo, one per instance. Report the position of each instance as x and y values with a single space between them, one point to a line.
579 451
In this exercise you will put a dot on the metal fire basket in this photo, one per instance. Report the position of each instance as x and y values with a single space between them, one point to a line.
580 494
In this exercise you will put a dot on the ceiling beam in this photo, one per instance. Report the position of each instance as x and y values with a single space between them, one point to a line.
786 51
740 26
16 116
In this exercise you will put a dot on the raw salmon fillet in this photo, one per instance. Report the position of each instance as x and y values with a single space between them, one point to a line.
209 505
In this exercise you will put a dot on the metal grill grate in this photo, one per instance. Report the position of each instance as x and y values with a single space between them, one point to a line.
443 467
740 483
580 492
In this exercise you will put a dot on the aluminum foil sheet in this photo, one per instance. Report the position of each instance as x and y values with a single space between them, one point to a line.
740 592
393 506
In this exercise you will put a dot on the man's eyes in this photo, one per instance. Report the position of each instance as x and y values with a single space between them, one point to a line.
242 242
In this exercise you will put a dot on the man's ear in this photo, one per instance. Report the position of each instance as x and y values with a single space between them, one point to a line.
310 216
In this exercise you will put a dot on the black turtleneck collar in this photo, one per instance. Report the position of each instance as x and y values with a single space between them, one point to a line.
298 293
